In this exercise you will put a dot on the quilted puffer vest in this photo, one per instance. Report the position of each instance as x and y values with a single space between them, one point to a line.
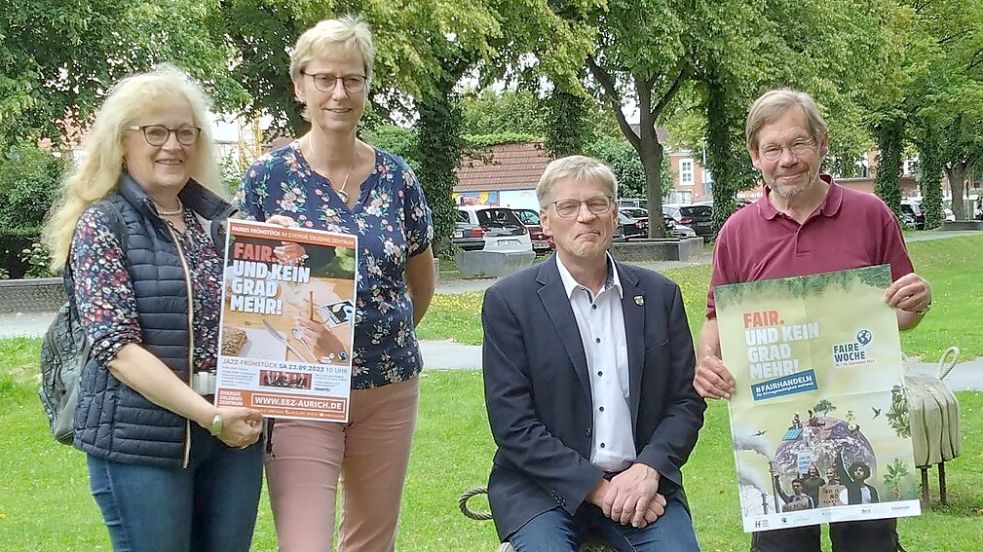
113 421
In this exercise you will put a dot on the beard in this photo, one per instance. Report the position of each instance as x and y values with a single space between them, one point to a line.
793 189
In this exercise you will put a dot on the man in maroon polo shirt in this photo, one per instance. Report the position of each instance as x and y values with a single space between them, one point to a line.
805 224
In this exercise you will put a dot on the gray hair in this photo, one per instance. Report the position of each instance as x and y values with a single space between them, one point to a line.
579 168
773 104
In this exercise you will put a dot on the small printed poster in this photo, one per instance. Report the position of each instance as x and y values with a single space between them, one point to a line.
288 319
819 418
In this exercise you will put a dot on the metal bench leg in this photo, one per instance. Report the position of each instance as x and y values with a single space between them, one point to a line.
945 499
925 496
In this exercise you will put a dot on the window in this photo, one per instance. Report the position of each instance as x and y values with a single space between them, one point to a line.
686 172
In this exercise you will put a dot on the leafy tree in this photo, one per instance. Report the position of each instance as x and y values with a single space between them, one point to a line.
491 112
824 407
57 59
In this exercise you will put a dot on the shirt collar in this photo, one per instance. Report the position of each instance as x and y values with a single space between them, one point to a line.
570 284
829 207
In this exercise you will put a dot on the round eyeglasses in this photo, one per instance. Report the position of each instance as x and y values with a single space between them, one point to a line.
568 208
326 82
157 135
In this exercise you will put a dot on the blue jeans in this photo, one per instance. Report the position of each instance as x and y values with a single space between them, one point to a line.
208 507
558 531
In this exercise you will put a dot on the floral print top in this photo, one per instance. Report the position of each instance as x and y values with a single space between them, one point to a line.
392 222
105 299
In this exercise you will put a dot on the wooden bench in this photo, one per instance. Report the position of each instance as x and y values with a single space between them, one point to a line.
591 545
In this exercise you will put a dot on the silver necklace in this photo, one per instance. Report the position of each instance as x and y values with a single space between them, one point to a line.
165 213
340 191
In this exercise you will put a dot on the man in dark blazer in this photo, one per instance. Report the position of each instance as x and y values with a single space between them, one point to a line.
588 367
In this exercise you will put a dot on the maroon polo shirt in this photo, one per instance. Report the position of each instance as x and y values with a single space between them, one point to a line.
850 229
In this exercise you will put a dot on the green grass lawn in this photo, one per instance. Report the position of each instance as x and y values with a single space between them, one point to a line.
45 504
953 266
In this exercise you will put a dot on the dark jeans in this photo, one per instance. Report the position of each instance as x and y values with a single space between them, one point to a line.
208 507
558 531
878 535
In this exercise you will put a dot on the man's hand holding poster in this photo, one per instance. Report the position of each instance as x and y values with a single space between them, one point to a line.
288 316
818 418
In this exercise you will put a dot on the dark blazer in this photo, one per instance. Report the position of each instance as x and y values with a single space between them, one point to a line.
538 396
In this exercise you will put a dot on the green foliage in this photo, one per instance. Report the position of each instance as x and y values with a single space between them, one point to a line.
57 59
568 126
12 243
509 111
824 407
29 182
36 258
231 174
889 140
400 141
478 141
439 136
897 473
897 415
624 161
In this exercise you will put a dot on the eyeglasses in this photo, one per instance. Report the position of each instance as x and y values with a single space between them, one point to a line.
773 152
568 208
157 135
326 82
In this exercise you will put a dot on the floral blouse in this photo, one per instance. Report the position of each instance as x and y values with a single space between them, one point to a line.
105 299
392 222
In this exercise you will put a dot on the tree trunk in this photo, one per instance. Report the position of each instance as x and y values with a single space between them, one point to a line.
957 180
890 134
651 152
726 154
441 146
930 182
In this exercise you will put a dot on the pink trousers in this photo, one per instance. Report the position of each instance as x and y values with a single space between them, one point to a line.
369 454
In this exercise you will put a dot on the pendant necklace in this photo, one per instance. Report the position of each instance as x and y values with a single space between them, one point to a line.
341 192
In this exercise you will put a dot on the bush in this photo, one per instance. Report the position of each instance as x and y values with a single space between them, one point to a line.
29 182
12 244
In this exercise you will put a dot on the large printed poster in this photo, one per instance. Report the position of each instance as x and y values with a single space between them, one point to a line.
818 418
288 315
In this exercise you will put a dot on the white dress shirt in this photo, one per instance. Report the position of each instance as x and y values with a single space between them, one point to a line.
602 331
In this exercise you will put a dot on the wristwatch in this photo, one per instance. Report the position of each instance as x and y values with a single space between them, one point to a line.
216 427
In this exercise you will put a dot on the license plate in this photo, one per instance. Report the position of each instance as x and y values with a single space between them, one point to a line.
508 242
540 244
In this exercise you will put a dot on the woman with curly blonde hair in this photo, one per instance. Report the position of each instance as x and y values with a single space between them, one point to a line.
136 232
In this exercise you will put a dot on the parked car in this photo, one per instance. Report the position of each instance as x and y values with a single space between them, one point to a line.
635 212
912 214
498 227
541 243
467 236
697 217
632 227
677 230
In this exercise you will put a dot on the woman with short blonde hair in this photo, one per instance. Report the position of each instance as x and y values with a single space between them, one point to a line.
328 179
